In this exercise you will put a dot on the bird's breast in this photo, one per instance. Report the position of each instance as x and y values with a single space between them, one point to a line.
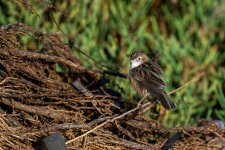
137 86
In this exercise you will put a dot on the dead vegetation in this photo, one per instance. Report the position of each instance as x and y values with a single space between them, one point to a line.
36 101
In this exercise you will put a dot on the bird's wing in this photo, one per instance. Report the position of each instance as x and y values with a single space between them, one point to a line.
149 75
154 67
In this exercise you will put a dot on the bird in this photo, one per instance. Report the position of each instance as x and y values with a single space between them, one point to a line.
145 76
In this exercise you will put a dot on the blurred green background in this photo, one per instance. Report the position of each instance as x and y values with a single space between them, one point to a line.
189 35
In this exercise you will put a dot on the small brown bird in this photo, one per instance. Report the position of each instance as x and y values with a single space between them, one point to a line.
146 78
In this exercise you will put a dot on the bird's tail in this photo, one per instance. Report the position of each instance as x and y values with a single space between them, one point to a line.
166 101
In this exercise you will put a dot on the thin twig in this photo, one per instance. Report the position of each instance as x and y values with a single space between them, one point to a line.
186 84
71 44
111 120
72 126
139 103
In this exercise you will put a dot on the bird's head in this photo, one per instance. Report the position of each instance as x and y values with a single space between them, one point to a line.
137 58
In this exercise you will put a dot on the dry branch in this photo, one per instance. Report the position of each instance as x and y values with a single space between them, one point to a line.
35 110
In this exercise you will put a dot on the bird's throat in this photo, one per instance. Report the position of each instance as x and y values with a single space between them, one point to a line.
134 64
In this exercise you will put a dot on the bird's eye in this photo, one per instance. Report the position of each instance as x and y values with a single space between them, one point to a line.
139 58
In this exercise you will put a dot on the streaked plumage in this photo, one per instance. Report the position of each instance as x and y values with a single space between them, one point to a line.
146 78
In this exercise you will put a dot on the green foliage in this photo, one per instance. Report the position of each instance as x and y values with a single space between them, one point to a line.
189 35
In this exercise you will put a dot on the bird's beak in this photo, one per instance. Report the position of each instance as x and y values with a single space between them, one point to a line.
131 63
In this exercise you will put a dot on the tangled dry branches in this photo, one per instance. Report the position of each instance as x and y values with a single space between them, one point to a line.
36 101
